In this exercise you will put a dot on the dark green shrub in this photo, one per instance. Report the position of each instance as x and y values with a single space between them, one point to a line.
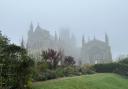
41 66
69 71
105 68
77 71
69 61
40 77
59 72
83 70
122 69
124 61
46 75
87 69
49 74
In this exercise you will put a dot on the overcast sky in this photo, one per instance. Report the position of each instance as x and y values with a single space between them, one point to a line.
86 17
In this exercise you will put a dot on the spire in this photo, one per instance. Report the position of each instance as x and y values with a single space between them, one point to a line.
83 41
30 32
106 39
59 38
88 38
38 25
31 27
38 28
22 43
94 37
56 37
73 39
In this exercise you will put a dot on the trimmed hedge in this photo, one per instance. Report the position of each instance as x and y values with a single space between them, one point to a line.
106 68
120 68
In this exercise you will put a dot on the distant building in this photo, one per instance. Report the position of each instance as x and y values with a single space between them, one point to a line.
40 39
92 52
96 51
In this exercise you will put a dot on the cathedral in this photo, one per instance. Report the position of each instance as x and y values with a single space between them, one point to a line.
40 39
92 52
96 51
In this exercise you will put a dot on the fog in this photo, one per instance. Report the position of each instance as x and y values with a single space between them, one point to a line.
82 17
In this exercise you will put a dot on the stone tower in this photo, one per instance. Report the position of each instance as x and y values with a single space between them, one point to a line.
22 43
106 39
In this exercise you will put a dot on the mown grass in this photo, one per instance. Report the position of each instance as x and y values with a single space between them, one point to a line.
95 81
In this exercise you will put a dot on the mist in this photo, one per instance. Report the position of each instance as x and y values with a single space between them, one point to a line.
83 17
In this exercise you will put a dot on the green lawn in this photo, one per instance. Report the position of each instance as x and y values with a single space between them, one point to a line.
95 81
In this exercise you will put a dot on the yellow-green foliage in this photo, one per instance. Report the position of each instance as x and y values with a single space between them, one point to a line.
95 81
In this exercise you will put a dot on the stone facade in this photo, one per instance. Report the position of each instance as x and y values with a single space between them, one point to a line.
96 51
92 52
40 39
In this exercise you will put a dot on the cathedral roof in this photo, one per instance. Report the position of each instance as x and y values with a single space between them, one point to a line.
96 43
40 30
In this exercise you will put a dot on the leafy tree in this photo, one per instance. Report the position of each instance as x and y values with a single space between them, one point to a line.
16 66
124 61
3 40
51 57
3 43
20 64
69 61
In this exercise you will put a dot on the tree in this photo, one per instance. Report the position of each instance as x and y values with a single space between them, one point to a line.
3 42
69 61
16 66
124 60
51 57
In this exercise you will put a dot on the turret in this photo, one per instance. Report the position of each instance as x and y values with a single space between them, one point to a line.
30 32
94 37
56 37
22 43
106 39
73 39
83 41
30 36
88 38
38 28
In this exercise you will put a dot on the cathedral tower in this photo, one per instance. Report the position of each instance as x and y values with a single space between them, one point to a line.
83 41
106 39
22 43
30 32
56 37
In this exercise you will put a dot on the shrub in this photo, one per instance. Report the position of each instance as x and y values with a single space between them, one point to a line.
59 72
69 61
41 66
122 69
50 74
105 68
77 71
69 71
124 61
46 75
87 69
